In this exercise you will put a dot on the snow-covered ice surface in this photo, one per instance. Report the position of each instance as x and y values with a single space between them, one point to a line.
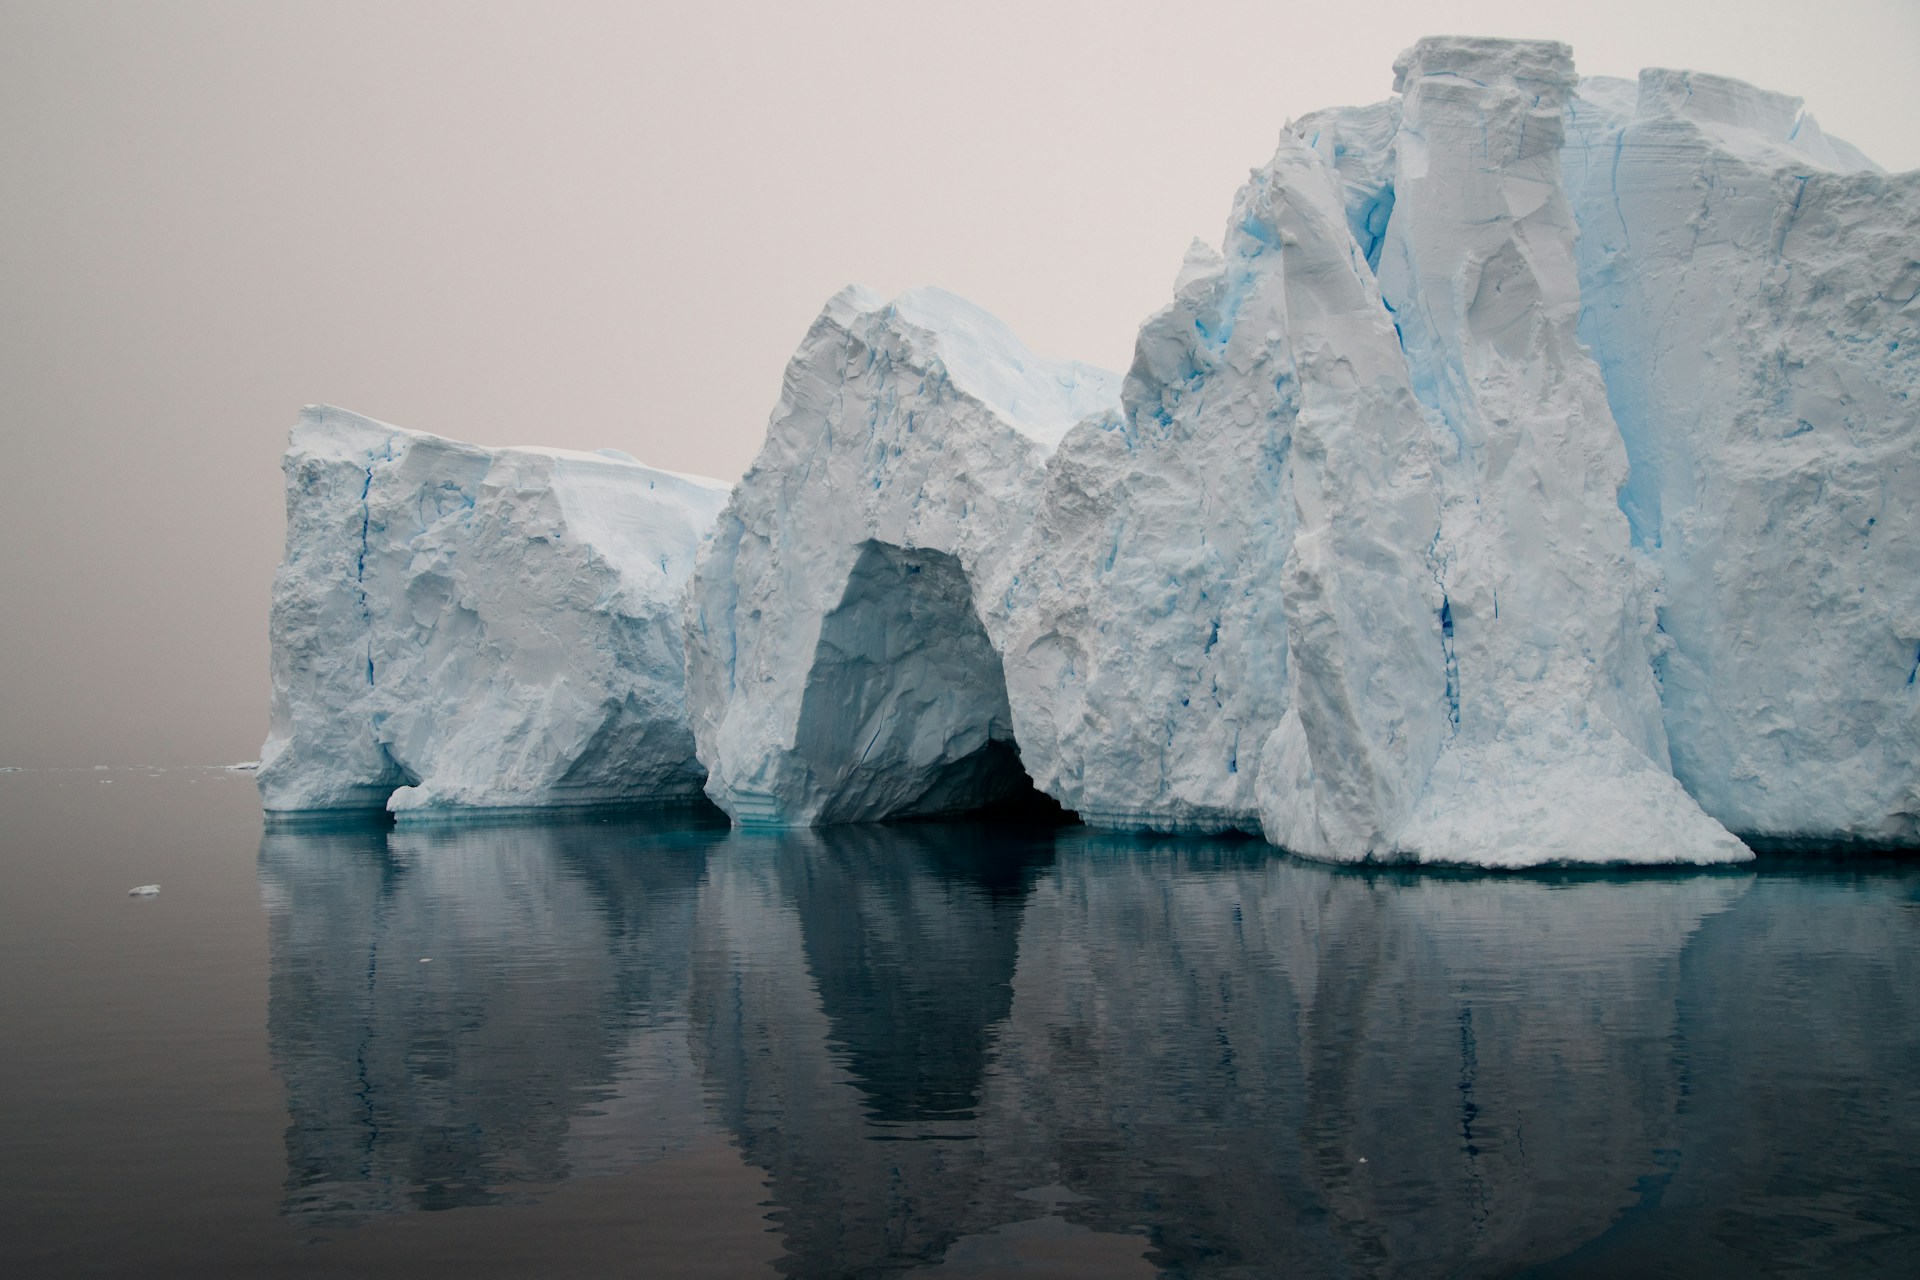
1751 288
458 628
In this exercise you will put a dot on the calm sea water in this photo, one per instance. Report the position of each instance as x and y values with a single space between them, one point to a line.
658 1047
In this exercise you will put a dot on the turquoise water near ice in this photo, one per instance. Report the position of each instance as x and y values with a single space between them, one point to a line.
656 1046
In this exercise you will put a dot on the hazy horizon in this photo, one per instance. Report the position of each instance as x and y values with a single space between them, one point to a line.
603 227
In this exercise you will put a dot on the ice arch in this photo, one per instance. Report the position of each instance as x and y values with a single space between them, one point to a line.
873 535
905 710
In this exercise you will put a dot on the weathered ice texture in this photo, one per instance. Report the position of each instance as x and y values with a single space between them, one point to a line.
840 654
460 628
1751 288
1147 654
1531 477
1372 690
1343 569
1557 751
1245 547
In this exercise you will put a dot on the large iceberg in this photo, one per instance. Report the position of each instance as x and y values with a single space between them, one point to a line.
1383 548
459 628
1531 476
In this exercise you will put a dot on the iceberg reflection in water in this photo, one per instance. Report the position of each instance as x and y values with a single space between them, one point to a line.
943 1042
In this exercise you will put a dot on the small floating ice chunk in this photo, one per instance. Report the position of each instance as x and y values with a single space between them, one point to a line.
144 891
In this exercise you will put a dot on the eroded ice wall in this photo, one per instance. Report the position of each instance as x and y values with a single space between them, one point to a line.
1243 548
1751 288
1557 751
1371 555
1372 689
841 657
1286 560
458 628
1147 654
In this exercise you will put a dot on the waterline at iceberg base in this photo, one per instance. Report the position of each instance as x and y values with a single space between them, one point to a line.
1529 477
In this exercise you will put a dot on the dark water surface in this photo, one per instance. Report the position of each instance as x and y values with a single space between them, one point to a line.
642 1047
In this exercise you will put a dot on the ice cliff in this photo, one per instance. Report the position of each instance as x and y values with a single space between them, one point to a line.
1529 477
465 628
1553 747
1749 286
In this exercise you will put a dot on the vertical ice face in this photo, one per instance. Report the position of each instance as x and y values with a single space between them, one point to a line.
1234 570
1750 291
1370 707
1358 143
1353 557
1147 657
1557 751
457 627
842 629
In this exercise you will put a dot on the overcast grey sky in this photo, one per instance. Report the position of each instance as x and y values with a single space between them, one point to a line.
604 224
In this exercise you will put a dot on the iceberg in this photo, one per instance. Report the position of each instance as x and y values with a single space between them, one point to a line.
458 628
1527 478
1357 554
1281 586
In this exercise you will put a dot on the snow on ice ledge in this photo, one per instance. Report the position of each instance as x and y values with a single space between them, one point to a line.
459 629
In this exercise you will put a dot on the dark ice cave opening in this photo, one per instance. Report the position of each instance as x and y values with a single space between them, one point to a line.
993 786
905 713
